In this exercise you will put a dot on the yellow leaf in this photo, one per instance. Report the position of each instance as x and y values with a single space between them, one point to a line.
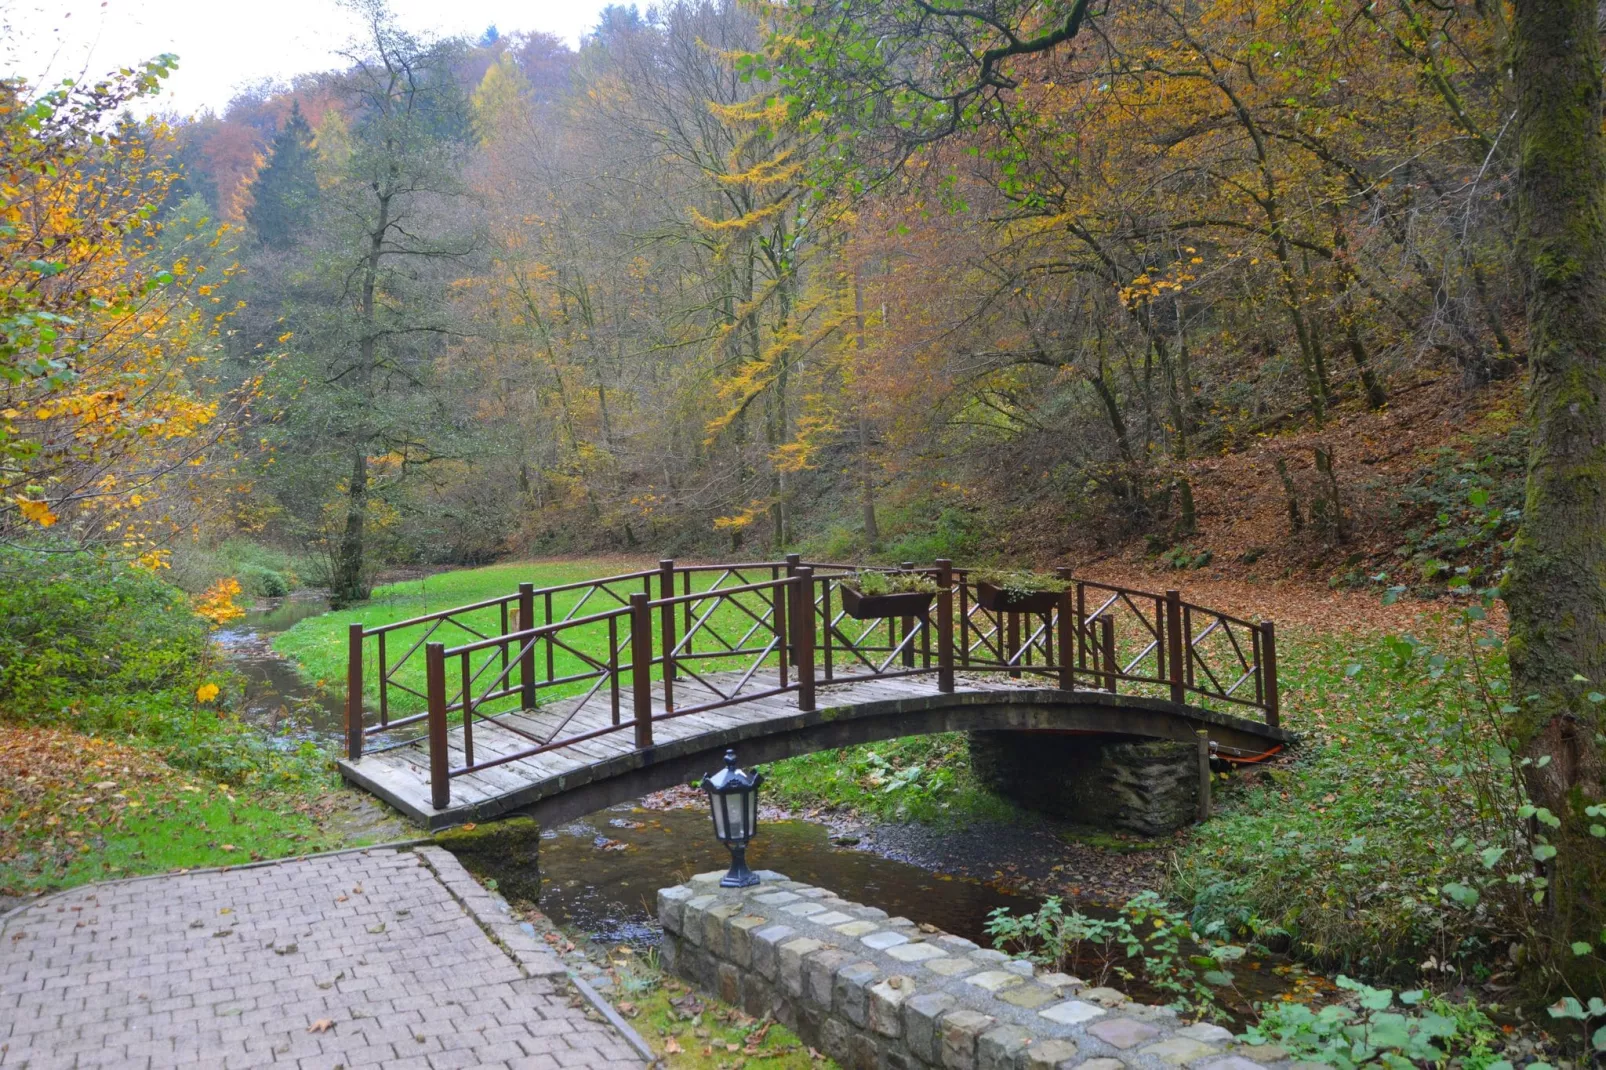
206 693
38 512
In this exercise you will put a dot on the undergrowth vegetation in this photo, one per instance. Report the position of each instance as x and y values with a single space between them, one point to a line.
120 751
1390 847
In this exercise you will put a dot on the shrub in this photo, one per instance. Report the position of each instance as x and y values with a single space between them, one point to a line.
263 582
88 643
73 624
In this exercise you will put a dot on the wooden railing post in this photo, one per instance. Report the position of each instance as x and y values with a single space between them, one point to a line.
788 657
1107 653
440 781
354 691
945 625
1268 671
801 600
527 650
1068 627
666 624
641 667
1176 646
908 627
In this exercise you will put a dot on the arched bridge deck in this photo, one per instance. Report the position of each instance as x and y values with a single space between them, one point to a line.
544 710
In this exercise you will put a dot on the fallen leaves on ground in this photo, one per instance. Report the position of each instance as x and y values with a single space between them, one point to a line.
51 778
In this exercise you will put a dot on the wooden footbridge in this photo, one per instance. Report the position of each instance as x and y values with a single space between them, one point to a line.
566 699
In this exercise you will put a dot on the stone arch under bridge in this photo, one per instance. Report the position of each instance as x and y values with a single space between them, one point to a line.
660 671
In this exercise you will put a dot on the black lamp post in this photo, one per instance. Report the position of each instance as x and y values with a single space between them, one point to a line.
733 797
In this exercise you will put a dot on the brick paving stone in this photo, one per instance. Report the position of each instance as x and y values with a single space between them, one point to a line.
230 969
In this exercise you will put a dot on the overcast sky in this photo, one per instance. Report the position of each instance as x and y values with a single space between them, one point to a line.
225 44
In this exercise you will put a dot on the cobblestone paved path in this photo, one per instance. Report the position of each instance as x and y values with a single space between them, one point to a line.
372 958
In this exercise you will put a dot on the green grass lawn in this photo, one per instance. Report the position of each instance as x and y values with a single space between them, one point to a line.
318 644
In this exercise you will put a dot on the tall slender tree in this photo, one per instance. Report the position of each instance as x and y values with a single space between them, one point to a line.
285 191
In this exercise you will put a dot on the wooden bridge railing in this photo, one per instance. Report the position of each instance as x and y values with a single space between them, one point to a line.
759 629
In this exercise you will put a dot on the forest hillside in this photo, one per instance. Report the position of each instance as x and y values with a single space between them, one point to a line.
1230 289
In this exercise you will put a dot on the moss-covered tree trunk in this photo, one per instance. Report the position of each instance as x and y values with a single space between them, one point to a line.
1556 589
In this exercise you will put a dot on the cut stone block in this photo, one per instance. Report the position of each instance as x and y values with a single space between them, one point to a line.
993 980
670 902
792 954
1072 1012
775 899
920 1016
1210 1034
1055 1053
802 910
1029 996
739 938
886 1004
1061 980
857 928
851 992
691 920
883 939
1178 1050
1228 1062
960 1031
957 945
1123 1033
1104 997
950 966
1000 1048
830 917
819 972
1101 1064
714 919
916 952
1020 966
988 955
766 949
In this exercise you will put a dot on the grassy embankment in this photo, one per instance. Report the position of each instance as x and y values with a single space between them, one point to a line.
118 753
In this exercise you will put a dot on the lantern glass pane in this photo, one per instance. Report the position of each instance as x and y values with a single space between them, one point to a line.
721 818
750 805
738 817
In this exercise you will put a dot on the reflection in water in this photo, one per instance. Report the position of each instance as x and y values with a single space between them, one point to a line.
601 875
277 700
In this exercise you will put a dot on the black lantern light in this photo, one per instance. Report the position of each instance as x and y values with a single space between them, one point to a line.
733 797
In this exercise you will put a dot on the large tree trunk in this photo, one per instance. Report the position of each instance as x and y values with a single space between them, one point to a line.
1556 589
347 585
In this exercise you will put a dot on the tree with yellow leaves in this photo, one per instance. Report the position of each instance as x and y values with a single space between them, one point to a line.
104 329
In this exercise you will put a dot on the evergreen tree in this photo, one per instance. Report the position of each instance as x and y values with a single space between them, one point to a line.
286 189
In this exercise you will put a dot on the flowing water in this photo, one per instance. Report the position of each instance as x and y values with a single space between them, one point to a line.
600 875
277 700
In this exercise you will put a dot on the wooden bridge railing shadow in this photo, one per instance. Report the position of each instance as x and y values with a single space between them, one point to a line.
754 630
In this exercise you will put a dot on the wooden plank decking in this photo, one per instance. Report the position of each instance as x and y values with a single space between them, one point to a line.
400 774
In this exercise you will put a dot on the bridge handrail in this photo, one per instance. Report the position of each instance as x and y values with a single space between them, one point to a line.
506 599
1133 636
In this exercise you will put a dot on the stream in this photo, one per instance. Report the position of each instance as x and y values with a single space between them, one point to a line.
600 875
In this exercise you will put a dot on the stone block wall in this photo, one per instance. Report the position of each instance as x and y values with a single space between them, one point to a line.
1150 787
880 993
